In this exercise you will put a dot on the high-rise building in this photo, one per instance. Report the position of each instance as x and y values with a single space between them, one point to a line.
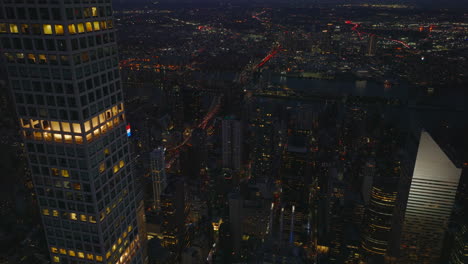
232 143
430 202
379 214
372 46
158 175
62 63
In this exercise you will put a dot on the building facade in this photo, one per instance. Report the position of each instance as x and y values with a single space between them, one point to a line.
430 202
62 64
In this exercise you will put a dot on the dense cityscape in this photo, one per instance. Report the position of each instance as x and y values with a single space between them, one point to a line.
228 132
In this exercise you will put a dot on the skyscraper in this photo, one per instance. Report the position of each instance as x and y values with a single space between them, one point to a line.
62 64
232 143
372 46
158 175
430 202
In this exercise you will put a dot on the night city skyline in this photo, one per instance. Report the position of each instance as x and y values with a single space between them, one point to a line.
232 131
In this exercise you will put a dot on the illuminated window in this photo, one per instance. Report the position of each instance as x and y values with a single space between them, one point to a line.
103 25
92 219
56 259
87 126
108 254
89 256
102 117
76 128
45 212
86 12
89 137
121 164
63 251
80 254
68 138
83 218
59 29
96 132
99 258
79 139
80 28
76 186
57 138
102 167
65 173
106 151
55 172
37 135
72 29
95 121
47 28
54 250
94 11
66 184
25 28
108 210
71 253
55 213
31 58
3 28
119 241
20 56
14 28
89 27
129 228
114 247
66 127
96 25
55 126
116 168
42 59
73 217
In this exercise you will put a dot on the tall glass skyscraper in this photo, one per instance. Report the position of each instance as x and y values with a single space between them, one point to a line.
430 203
62 64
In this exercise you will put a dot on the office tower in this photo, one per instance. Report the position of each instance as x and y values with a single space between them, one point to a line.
235 221
459 254
368 180
430 202
158 175
232 143
63 73
372 45
379 214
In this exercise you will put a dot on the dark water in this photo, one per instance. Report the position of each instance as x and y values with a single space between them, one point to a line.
343 87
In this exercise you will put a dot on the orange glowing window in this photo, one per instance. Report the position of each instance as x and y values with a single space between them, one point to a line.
66 127
96 25
80 28
59 29
65 173
89 27
14 28
76 128
47 28
72 29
